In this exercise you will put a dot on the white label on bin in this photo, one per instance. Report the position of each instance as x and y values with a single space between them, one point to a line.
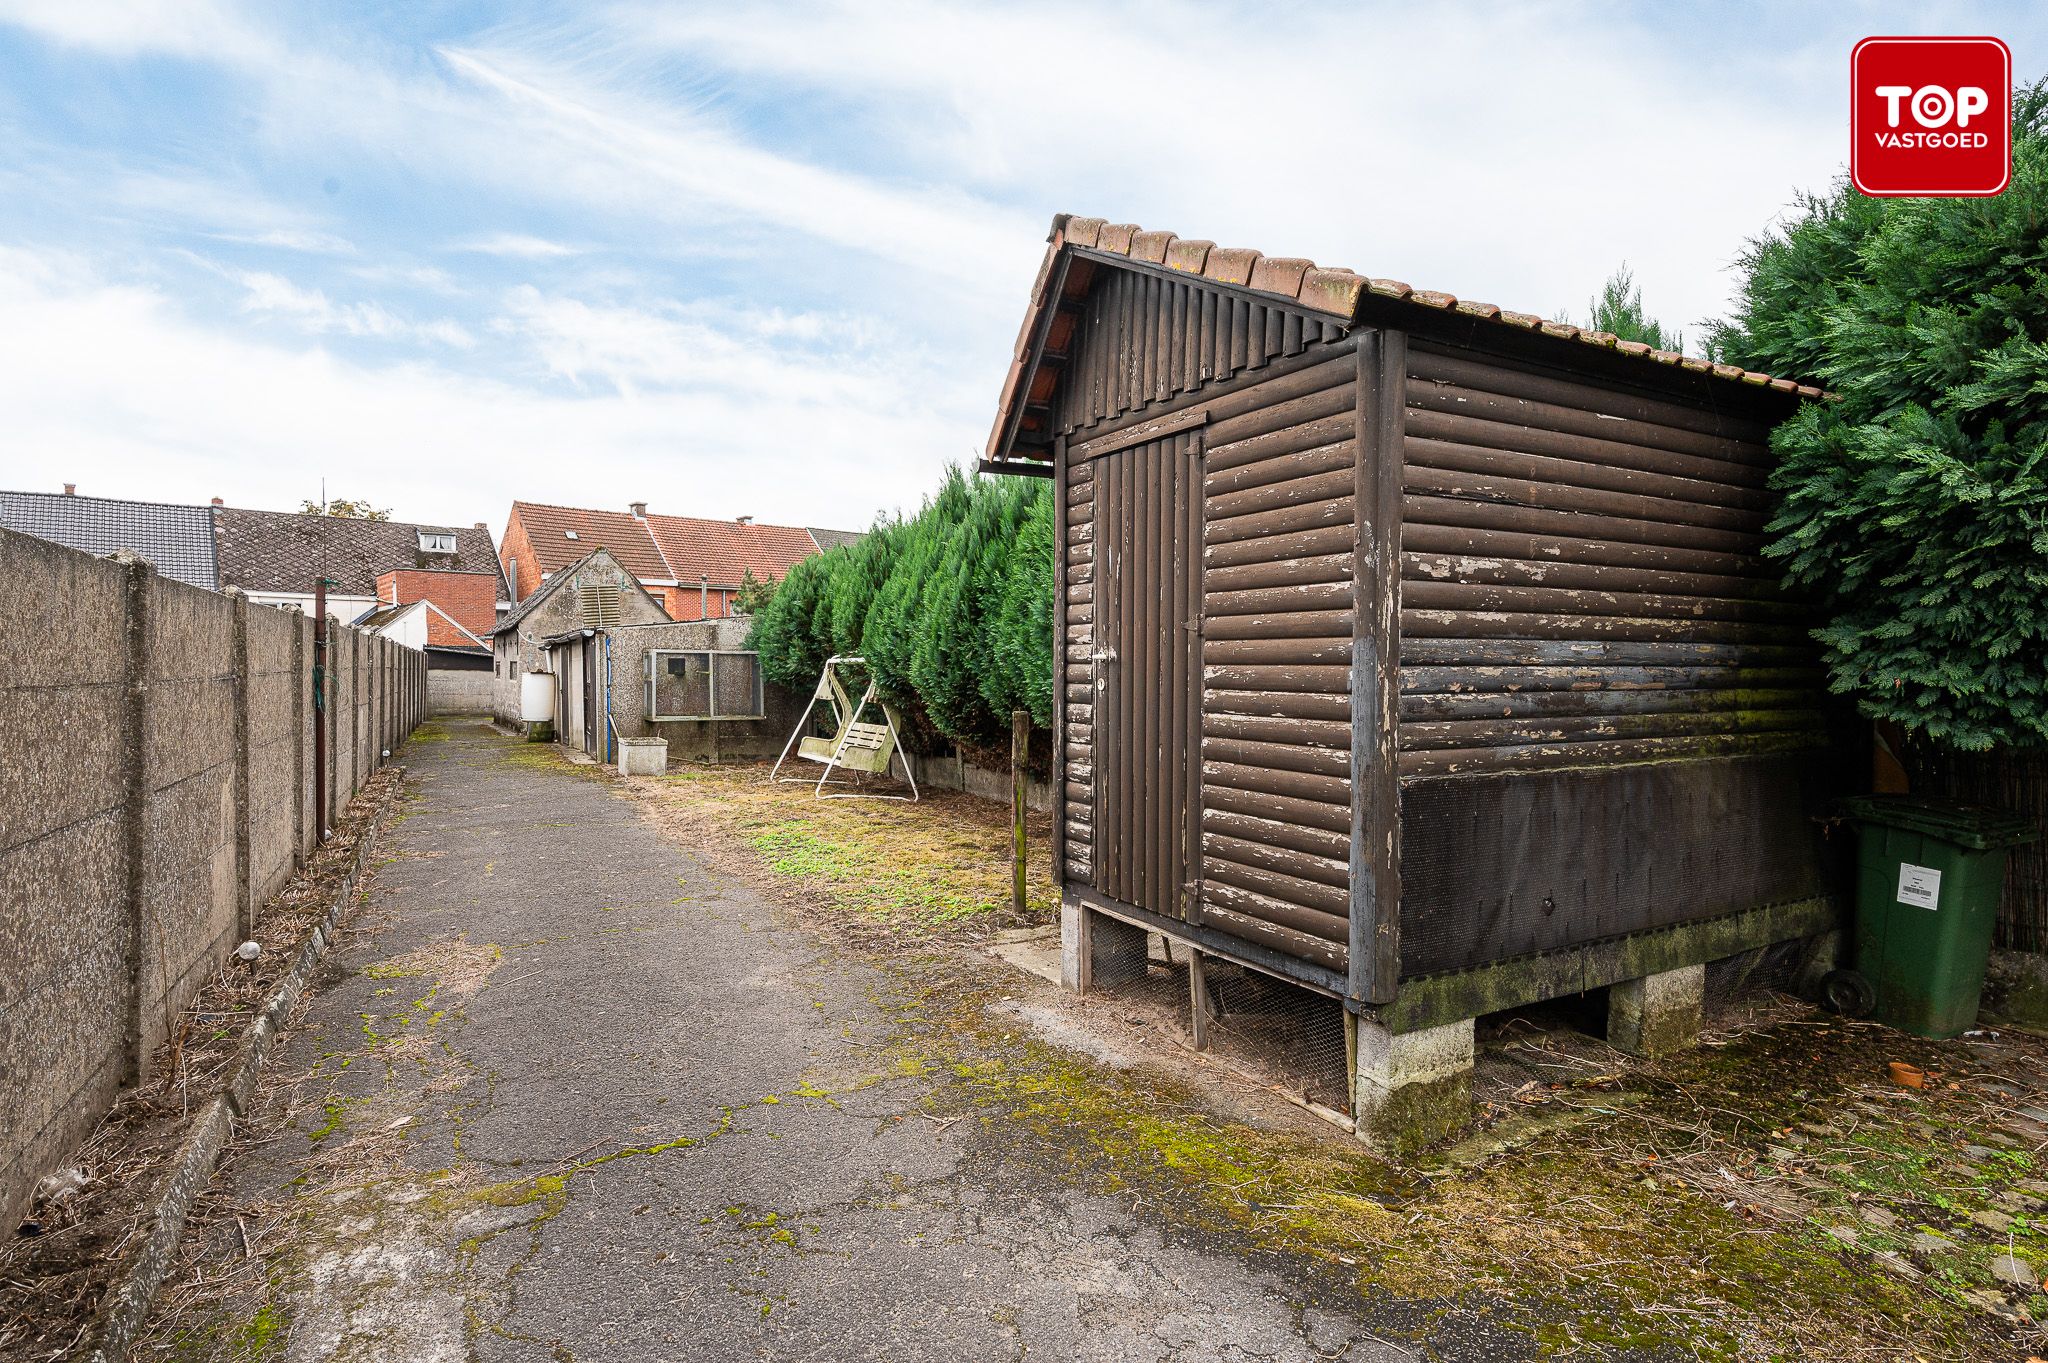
1919 886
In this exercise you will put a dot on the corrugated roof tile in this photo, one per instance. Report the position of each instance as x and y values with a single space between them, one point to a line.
1332 291
1188 256
1151 247
1279 274
1084 231
1116 237
1335 292
1230 265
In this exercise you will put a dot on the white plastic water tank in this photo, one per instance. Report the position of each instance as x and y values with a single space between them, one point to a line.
537 696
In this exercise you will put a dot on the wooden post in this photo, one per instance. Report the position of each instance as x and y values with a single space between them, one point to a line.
1020 753
1201 1006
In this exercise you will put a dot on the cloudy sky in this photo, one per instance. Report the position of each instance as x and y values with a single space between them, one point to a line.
769 260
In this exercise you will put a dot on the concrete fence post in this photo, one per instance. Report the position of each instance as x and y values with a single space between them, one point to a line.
355 715
300 739
138 593
245 895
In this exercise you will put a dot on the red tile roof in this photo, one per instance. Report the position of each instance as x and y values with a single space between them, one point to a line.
684 549
548 529
725 551
1337 293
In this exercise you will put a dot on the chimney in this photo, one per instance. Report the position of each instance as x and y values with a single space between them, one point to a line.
639 510
71 489
218 502
481 526
742 520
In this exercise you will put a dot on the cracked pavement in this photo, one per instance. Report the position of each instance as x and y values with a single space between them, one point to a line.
566 1093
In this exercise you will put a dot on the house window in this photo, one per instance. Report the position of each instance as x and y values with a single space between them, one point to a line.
436 542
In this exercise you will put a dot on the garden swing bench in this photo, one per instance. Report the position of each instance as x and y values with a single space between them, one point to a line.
854 746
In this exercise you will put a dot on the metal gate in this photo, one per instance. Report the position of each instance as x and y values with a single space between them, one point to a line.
1147 674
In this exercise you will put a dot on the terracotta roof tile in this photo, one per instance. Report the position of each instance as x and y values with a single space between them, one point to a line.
1151 247
1188 256
725 551
1335 292
684 549
1280 274
1332 291
1116 236
550 529
1230 265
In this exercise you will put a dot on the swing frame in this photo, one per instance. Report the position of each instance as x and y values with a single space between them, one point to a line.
846 713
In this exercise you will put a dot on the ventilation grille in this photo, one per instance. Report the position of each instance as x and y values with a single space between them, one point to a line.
601 605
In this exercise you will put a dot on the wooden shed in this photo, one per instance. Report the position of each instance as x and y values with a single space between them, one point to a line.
1412 650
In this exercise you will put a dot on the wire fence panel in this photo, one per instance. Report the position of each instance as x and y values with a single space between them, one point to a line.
703 684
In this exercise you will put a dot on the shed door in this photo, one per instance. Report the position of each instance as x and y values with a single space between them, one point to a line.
1147 674
593 698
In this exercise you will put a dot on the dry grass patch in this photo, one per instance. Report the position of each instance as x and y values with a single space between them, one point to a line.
942 864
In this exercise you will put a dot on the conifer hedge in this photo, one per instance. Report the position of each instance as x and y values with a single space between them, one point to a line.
1915 506
951 607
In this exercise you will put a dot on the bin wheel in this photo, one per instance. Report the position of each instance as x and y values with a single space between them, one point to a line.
1847 993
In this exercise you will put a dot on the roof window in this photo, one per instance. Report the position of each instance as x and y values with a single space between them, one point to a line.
569 534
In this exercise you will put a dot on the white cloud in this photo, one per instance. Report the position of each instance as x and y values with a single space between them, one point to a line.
120 393
126 28
312 310
665 162
518 245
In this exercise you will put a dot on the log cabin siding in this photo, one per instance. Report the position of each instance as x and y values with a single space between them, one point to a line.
1605 703
1582 579
1278 598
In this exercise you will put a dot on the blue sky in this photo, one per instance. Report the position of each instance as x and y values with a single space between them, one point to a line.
770 260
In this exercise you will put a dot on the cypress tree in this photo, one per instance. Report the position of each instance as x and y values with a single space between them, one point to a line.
1914 503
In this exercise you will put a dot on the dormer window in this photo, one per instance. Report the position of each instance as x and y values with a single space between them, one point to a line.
436 542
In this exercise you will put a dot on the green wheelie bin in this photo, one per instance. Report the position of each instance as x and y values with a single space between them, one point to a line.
1928 879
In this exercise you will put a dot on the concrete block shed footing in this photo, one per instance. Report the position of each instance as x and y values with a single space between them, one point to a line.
1410 1088
1657 1014
1097 951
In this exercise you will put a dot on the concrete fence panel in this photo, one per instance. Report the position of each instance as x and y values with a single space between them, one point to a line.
65 755
156 785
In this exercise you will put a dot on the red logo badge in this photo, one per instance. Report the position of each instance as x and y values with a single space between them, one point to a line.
1930 117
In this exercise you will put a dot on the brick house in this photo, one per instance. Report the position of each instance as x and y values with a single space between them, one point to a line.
460 607
275 556
693 567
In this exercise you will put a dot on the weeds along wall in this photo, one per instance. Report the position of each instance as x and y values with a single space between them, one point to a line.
156 786
952 607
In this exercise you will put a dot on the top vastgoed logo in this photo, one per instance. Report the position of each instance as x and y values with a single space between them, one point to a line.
1930 117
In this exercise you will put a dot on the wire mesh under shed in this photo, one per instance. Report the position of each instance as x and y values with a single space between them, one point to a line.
1414 652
